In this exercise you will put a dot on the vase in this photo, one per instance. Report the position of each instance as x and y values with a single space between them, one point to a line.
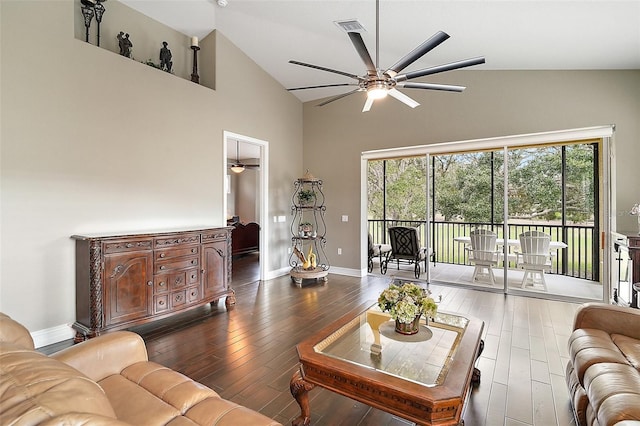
408 327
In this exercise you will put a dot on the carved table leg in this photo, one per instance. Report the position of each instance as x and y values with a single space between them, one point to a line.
475 377
300 391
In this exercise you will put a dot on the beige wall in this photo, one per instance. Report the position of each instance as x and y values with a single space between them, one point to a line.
94 142
496 103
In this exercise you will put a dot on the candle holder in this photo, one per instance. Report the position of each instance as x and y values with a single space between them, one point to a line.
194 75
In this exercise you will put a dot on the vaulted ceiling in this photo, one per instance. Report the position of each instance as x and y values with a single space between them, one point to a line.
510 34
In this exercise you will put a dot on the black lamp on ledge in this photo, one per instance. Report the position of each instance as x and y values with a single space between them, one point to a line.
194 46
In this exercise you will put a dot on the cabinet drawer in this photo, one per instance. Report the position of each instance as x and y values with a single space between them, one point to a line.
175 264
160 303
193 294
193 276
178 298
120 246
217 235
161 283
171 253
634 242
177 240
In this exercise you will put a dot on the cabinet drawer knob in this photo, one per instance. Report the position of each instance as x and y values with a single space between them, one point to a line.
149 283
163 254
163 267
194 262
161 284
194 250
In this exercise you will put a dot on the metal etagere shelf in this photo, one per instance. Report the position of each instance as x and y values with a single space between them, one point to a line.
308 259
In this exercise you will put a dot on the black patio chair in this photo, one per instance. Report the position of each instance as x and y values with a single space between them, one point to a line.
405 248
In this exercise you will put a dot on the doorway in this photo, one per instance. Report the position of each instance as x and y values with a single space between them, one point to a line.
246 203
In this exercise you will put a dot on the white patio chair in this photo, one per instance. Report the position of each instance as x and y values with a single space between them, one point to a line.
484 254
534 257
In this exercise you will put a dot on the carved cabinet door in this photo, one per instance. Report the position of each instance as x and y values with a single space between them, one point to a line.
214 276
128 286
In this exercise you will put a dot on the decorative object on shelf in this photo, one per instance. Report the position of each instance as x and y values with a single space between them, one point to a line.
635 210
305 229
306 197
99 9
194 46
87 7
308 230
124 43
165 57
406 303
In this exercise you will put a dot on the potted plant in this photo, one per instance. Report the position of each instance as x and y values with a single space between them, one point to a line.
306 197
407 303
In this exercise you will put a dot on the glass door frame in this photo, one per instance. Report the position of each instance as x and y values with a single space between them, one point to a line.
600 134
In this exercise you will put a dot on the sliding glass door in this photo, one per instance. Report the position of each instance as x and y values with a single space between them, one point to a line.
524 219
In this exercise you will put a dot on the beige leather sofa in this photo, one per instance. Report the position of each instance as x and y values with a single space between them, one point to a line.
603 374
107 380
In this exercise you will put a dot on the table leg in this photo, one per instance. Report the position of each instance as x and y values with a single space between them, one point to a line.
475 376
300 390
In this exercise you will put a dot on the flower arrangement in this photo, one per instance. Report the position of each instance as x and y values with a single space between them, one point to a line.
407 301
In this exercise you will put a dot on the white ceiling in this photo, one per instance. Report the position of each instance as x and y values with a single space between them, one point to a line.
510 34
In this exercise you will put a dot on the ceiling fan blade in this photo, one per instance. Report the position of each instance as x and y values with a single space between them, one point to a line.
441 68
403 98
335 98
322 86
358 43
431 86
318 67
367 105
417 53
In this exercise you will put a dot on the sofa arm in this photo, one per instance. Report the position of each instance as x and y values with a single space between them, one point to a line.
105 355
609 318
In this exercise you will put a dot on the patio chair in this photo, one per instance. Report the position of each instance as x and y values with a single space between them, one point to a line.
376 250
534 257
405 248
484 254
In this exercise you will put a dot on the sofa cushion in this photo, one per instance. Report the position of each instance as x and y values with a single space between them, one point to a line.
629 347
614 392
35 388
12 331
164 396
590 346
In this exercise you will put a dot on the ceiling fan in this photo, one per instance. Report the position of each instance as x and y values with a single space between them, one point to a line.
378 84
238 166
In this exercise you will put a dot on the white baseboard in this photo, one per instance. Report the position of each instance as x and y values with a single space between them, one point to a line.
348 272
52 335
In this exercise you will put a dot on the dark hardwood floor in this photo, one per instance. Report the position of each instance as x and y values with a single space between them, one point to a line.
247 353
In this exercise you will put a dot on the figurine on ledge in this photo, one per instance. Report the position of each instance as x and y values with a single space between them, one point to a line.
125 44
165 58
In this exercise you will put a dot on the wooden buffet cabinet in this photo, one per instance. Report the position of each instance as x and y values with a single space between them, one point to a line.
128 280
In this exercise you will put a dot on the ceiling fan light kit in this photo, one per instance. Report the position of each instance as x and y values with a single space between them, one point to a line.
238 166
377 83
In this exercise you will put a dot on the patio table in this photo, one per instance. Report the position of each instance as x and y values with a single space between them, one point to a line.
553 245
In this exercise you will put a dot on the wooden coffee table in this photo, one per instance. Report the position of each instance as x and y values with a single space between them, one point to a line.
425 378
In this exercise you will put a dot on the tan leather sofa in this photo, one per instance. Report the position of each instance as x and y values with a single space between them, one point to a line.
603 373
107 380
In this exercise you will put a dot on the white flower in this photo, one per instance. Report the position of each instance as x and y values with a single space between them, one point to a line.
635 209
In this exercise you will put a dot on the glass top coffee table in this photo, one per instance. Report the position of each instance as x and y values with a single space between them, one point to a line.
424 378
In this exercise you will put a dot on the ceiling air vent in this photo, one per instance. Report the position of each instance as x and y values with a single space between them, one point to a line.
350 26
